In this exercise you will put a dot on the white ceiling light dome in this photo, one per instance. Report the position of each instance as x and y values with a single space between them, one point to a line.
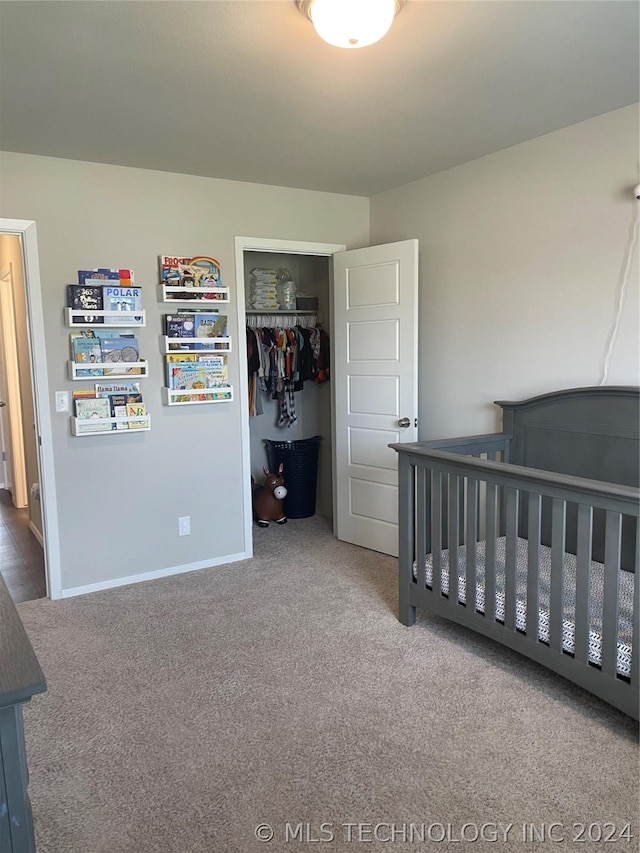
351 23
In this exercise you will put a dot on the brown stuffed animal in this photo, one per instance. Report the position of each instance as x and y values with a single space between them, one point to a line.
267 499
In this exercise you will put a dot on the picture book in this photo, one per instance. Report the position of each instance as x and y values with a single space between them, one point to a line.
128 300
116 388
177 358
92 408
124 277
87 351
197 272
210 326
179 326
136 410
83 394
204 373
118 404
216 372
81 297
104 333
119 351
118 408
187 376
170 268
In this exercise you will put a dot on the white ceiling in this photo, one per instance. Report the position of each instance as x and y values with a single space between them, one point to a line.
245 90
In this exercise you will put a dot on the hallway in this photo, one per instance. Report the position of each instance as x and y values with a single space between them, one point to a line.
21 556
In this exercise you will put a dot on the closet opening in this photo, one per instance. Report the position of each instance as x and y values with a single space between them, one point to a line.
288 333
289 395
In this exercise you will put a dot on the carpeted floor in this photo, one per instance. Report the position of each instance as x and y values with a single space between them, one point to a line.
184 712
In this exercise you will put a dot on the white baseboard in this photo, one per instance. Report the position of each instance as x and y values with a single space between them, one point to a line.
36 533
149 576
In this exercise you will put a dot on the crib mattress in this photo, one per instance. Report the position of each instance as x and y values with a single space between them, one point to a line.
625 597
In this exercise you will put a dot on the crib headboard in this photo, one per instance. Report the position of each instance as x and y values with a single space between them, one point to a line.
586 432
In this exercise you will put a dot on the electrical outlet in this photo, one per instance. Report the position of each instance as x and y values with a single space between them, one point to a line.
184 526
62 401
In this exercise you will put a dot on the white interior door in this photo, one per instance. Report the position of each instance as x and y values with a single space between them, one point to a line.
375 374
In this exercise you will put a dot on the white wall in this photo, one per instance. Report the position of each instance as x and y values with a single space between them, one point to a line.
120 495
521 254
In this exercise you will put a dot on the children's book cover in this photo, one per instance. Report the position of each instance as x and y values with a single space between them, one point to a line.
116 388
200 271
210 325
87 351
98 276
81 297
89 409
179 326
187 377
127 300
120 351
136 410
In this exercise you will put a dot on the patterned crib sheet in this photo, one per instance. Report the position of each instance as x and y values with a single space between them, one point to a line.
625 597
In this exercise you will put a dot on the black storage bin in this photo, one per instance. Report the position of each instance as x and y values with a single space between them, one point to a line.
300 471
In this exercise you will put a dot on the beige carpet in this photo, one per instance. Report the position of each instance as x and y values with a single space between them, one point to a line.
182 713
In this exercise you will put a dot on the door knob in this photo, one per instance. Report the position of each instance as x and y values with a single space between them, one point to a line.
2 404
404 423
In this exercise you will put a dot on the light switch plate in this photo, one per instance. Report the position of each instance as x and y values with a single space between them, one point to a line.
62 401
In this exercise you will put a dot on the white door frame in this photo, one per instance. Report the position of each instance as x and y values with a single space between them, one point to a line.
9 350
263 244
26 229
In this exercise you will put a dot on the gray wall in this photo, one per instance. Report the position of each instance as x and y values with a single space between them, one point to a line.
120 496
520 260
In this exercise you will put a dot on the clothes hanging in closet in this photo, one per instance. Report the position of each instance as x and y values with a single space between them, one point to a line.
280 361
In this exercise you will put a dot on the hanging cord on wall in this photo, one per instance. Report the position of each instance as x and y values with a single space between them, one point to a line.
633 238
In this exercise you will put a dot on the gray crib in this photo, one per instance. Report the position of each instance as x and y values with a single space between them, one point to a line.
530 536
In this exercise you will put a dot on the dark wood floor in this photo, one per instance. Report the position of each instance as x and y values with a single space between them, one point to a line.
21 555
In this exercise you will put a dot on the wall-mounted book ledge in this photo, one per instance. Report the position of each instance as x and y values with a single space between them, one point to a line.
201 295
110 426
80 319
107 371
200 345
196 396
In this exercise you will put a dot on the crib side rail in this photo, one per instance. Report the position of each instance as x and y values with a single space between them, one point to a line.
490 444
449 497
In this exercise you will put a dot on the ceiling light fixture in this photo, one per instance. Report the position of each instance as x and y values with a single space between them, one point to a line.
351 23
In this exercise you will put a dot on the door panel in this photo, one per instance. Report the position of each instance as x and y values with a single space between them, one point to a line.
375 384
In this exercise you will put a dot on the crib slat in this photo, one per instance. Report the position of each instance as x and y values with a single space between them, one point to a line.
583 582
491 519
436 530
533 564
422 474
558 538
635 636
471 541
612 552
453 535
511 545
